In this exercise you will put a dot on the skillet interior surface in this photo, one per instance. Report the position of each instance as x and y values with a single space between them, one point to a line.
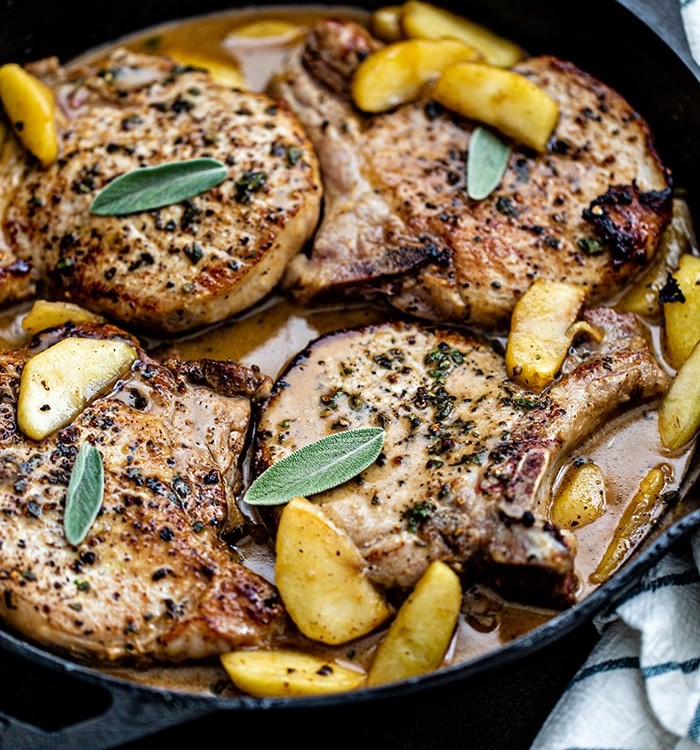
497 701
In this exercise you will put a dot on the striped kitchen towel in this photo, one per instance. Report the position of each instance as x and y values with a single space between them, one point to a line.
640 687
690 13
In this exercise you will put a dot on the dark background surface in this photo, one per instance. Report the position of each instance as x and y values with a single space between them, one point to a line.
45 703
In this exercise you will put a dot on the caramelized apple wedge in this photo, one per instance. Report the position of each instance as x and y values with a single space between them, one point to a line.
385 23
60 381
221 67
640 514
321 577
543 325
679 413
31 108
426 21
421 632
284 674
682 317
397 73
580 498
47 314
501 98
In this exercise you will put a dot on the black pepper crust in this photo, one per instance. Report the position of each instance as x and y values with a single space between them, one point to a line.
154 579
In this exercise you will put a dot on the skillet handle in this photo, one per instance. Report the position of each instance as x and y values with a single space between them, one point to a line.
131 714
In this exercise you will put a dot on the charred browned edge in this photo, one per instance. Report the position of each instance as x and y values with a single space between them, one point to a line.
333 51
626 220
368 276
226 378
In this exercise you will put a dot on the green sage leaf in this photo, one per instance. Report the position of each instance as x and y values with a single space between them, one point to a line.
486 163
85 490
153 187
316 467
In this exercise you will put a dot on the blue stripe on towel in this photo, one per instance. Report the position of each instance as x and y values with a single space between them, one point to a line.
625 662
672 666
673 579
686 3
694 728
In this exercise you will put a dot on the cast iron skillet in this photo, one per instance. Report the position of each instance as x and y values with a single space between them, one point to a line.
499 700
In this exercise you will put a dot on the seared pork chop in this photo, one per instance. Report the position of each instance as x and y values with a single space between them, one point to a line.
468 454
397 221
152 579
173 268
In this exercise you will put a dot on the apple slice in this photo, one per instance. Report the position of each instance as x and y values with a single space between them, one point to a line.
397 73
58 383
501 98
321 577
284 673
421 632
48 314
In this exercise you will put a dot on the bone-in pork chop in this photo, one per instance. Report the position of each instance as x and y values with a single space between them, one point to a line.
468 454
173 268
152 579
397 221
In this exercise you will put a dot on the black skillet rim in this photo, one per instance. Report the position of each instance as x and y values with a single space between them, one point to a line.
596 602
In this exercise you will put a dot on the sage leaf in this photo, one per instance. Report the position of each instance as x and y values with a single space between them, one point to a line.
153 187
85 491
316 467
486 163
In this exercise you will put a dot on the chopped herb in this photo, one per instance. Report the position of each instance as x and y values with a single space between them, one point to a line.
417 514
193 252
293 155
590 246
248 184
505 206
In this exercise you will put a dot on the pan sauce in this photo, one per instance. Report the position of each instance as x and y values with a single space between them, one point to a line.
274 331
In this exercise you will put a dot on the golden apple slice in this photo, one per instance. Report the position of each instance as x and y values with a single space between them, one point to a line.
501 98
580 499
47 314
397 73
421 632
385 23
679 413
426 21
58 383
221 67
321 577
682 319
285 674
639 516
30 107
542 328
265 28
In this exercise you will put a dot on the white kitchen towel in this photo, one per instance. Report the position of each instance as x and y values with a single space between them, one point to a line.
640 687
690 13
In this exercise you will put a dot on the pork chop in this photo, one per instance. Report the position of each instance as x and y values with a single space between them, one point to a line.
468 454
153 579
173 268
397 221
